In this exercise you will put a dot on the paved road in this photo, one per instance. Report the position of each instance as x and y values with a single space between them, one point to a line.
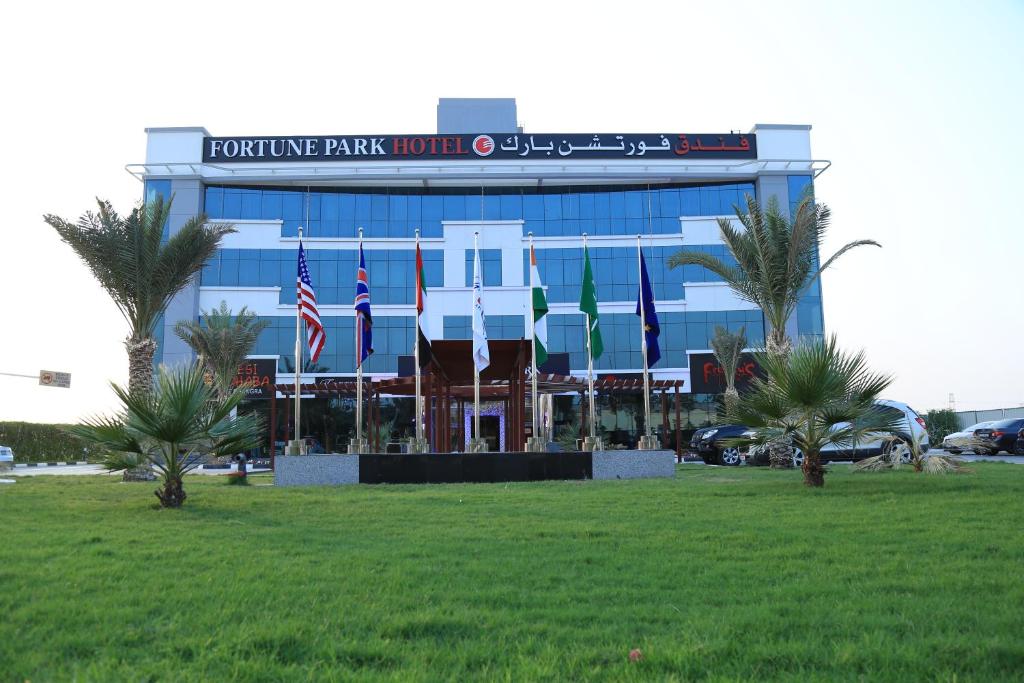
73 470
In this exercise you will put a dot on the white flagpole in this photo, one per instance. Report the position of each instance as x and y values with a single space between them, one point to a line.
416 350
533 354
476 370
590 364
298 361
359 361
643 342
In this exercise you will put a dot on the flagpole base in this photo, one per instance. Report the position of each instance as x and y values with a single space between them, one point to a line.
356 446
295 447
648 443
593 443
417 445
478 445
536 444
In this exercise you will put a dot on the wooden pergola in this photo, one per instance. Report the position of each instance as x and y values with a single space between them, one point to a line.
447 381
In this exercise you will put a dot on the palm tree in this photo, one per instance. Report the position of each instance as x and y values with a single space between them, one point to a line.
223 343
139 269
776 260
728 348
815 396
170 427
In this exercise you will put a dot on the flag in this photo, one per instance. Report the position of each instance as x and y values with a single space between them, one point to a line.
645 298
481 354
364 320
315 336
588 304
540 309
422 332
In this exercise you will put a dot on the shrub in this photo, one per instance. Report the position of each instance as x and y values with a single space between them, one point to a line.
941 423
36 442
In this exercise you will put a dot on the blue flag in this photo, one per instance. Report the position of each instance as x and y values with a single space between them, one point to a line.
364 321
645 298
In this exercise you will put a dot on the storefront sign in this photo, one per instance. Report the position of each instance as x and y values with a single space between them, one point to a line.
707 377
257 376
662 146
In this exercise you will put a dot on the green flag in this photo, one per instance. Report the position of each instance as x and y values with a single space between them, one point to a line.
588 304
540 309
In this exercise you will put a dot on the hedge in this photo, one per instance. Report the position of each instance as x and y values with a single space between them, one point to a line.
34 442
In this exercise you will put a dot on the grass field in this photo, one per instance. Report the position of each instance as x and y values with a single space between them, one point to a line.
721 574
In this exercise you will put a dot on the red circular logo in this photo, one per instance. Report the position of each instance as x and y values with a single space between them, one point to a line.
483 145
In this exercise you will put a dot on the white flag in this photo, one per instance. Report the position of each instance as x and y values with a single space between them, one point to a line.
481 354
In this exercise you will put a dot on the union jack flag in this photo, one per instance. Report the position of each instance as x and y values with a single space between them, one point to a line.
306 297
364 321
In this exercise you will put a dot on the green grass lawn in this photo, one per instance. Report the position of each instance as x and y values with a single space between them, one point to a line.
721 574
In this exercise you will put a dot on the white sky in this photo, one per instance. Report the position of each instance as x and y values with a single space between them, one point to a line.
918 106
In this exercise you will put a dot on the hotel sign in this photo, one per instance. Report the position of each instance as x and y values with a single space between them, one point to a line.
320 148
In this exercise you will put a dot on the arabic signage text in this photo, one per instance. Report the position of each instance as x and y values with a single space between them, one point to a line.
479 146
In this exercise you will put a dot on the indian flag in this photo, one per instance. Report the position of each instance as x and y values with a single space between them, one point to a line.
423 332
540 310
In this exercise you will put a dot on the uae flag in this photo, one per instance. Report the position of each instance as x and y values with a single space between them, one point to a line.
422 331
540 309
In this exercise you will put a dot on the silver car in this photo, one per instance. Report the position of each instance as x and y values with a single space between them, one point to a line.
957 442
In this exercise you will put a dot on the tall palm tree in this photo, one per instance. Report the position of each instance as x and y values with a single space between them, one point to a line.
139 269
728 348
223 343
169 428
815 396
776 260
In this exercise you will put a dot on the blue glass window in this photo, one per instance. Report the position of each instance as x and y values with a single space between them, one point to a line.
490 263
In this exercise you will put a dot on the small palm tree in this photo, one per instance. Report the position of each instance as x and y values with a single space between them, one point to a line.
728 348
139 269
223 343
776 260
170 427
816 396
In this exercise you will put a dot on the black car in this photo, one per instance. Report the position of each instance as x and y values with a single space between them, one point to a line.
707 443
999 436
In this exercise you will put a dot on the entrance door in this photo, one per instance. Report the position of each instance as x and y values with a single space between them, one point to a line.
490 426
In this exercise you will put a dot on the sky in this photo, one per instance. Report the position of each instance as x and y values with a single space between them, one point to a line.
914 103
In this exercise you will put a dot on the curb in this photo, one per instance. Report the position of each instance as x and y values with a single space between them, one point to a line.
48 464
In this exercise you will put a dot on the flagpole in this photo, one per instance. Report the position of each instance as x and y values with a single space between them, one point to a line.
590 368
416 356
359 364
535 440
298 365
476 370
645 441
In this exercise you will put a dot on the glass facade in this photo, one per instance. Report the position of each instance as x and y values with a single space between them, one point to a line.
809 313
490 264
548 211
397 212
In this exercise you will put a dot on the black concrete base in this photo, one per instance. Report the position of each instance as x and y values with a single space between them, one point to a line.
449 468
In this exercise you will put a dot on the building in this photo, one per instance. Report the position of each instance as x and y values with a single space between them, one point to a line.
479 173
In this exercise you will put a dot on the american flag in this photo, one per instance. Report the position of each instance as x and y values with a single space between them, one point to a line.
364 321
315 336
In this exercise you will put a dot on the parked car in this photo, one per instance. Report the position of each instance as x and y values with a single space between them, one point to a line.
961 441
6 458
707 443
999 436
910 426
1020 443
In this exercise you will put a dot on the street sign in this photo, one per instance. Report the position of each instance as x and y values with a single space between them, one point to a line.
49 378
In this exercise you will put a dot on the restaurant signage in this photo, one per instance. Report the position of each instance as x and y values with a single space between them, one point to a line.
707 377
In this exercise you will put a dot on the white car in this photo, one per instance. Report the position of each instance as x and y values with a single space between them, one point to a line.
957 442
6 458
910 426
